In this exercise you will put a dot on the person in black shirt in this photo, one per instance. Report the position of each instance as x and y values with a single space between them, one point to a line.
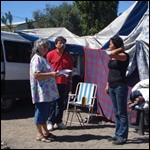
117 88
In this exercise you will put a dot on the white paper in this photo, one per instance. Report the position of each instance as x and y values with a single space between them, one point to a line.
64 72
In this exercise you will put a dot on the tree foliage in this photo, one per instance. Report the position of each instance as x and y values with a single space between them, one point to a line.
81 17
29 24
64 15
7 20
96 15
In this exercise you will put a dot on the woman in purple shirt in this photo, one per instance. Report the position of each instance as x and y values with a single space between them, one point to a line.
43 88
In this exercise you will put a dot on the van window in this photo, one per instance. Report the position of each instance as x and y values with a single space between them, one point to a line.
17 51
2 56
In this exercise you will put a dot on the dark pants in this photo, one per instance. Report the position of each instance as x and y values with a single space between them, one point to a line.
57 106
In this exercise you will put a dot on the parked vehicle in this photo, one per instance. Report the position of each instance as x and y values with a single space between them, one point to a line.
15 59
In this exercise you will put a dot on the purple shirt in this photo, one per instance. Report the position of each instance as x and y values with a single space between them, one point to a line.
42 90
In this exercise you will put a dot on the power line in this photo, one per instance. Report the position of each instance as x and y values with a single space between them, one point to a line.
16 16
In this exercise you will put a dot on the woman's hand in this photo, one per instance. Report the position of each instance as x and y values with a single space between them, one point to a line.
54 74
114 53
107 89
58 74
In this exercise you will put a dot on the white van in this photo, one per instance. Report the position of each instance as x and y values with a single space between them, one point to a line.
15 59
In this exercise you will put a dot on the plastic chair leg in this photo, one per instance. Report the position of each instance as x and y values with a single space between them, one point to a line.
141 123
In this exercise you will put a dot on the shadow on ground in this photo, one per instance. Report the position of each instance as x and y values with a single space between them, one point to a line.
23 109
89 137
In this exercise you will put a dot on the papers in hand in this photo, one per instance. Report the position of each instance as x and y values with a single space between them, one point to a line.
64 72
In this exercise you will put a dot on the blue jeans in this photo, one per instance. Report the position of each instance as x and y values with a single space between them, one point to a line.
41 112
57 106
119 96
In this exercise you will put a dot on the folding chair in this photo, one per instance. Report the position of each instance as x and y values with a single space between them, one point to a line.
85 95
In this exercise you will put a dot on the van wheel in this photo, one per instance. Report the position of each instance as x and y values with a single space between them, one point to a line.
7 104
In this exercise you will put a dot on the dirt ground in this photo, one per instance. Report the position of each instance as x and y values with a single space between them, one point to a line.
18 132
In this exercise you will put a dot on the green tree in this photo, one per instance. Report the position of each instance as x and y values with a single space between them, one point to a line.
64 15
40 18
96 15
29 23
7 20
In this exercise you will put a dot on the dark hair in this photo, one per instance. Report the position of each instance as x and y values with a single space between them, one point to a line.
117 41
60 38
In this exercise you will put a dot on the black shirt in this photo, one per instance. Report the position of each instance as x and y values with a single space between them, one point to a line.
117 72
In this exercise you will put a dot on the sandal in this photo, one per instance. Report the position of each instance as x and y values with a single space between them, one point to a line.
43 139
50 136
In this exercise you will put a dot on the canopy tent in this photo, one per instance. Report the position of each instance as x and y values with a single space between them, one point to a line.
133 27
123 24
73 44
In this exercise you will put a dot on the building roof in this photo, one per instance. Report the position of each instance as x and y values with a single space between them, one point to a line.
14 24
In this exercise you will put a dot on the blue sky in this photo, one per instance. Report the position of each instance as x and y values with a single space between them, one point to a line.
23 9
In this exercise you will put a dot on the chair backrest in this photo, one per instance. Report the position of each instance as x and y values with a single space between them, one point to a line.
86 91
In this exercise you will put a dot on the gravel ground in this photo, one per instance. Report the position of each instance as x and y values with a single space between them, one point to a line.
18 132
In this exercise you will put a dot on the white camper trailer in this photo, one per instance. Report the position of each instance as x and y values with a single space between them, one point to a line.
15 59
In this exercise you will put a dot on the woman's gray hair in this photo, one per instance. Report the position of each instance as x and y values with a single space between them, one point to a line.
37 44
